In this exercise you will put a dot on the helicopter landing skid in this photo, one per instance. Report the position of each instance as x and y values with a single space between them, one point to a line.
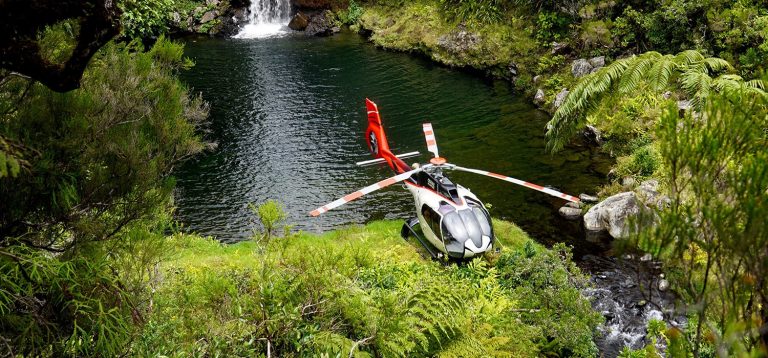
409 230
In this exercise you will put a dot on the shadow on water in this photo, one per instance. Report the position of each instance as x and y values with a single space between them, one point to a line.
288 116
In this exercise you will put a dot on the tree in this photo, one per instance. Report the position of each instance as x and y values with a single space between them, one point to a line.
688 71
79 223
713 237
21 22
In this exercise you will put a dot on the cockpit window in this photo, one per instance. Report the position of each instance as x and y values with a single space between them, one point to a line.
432 219
468 224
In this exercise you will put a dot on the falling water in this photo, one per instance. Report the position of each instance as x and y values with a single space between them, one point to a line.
266 18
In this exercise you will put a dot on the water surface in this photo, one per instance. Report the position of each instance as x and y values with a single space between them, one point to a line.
288 115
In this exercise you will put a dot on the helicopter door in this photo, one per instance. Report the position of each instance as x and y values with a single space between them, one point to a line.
432 220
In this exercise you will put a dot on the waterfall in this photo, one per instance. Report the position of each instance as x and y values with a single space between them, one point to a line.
266 18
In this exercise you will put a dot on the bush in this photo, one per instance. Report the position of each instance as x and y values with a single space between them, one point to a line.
82 222
145 18
365 292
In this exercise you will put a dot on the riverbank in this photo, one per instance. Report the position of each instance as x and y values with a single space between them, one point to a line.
364 291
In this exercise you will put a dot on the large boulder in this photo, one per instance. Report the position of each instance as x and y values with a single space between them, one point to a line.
612 215
321 24
539 98
580 68
208 16
597 62
299 22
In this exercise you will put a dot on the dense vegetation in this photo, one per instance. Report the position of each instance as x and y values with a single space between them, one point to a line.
91 263
681 99
364 291
85 200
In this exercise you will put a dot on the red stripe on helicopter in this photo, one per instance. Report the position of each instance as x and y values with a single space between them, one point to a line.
428 132
315 213
533 186
353 196
431 142
388 182
502 177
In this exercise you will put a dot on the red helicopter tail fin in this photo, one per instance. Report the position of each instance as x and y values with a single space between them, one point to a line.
377 140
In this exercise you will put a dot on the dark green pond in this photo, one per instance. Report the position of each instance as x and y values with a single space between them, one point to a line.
288 115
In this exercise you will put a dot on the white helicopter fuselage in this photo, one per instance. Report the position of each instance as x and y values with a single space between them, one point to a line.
458 228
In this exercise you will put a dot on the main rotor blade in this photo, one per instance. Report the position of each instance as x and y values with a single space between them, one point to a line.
429 134
526 184
367 190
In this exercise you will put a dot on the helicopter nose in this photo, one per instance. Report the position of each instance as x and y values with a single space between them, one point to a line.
485 243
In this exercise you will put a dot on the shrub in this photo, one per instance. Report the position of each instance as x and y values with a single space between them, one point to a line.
82 221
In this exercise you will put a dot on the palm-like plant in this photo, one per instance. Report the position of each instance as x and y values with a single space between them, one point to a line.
688 71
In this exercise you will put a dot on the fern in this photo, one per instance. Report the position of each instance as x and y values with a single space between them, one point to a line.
688 71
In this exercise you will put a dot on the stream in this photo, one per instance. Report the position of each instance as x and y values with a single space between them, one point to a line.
288 115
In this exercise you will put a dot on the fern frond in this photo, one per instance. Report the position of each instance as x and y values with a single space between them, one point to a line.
759 84
716 64
635 72
660 73
689 57
571 114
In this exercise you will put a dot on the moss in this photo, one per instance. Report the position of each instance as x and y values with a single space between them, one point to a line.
421 27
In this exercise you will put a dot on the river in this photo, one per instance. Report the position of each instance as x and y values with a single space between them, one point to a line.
288 116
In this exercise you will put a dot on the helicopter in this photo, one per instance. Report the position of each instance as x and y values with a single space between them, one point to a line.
453 221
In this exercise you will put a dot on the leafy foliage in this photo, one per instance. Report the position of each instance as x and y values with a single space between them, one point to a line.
688 71
270 214
81 224
365 292
474 11
145 18
712 234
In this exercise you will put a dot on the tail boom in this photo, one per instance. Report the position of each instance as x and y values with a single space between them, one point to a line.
377 140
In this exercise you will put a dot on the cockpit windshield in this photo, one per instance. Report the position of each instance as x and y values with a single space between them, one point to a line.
466 224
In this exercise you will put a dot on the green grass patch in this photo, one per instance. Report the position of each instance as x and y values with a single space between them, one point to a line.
365 291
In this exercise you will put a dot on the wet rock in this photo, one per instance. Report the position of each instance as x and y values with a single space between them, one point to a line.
212 2
580 68
588 198
208 16
560 48
560 98
646 258
512 70
628 182
176 17
536 79
320 24
570 213
667 95
597 62
299 22
335 29
663 285
539 98
612 215
592 134
571 204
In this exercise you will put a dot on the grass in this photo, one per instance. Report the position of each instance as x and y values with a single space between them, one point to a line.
365 291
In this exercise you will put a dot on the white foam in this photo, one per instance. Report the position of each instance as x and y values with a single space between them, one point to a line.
263 30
